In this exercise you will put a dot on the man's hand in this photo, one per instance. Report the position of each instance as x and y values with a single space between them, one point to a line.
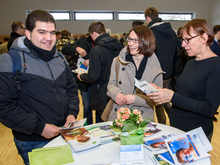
78 76
50 131
69 119
86 63
81 51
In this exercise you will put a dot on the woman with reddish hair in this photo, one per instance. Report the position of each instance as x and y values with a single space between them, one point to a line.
197 95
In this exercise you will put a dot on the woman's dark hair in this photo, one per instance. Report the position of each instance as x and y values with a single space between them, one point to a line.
147 43
199 26
38 15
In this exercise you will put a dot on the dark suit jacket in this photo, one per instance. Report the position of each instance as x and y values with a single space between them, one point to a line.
215 48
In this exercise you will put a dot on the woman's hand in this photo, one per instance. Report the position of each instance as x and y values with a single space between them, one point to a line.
130 99
161 97
120 99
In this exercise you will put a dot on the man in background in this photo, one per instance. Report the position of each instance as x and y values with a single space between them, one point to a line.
122 39
4 46
101 56
64 40
215 47
215 44
58 35
166 43
47 98
18 30
77 53
6 39
134 23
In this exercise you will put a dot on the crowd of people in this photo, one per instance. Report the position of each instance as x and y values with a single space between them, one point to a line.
184 68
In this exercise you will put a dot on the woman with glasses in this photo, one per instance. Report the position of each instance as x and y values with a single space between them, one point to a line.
139 61
197 95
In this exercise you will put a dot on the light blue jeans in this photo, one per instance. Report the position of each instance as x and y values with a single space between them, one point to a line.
24 147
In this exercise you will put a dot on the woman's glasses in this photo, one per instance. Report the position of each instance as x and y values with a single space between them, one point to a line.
186 40
134 40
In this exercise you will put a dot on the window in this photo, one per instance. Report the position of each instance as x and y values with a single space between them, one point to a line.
166 16
176 16
94 16
125 16
60 15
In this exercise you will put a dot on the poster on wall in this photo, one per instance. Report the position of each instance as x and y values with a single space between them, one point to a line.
108 31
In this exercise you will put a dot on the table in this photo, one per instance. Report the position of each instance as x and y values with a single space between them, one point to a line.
110 152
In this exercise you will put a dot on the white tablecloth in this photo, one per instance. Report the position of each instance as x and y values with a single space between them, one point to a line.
110 152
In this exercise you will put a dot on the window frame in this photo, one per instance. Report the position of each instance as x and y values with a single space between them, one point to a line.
56 11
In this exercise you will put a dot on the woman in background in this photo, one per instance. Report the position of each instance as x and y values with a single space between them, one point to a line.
197 95
139 61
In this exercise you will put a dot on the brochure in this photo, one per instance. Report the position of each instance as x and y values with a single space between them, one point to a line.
51 155
145 86
188 147
75 124
158 160
79 139
80 71
151 132
157 143
166 157
103 134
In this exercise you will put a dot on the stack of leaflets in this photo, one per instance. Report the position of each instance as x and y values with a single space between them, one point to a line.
184 148
189 147
79 139
51 155
76 124
103 134
157 143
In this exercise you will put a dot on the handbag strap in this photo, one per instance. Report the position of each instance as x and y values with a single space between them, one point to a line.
117 68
